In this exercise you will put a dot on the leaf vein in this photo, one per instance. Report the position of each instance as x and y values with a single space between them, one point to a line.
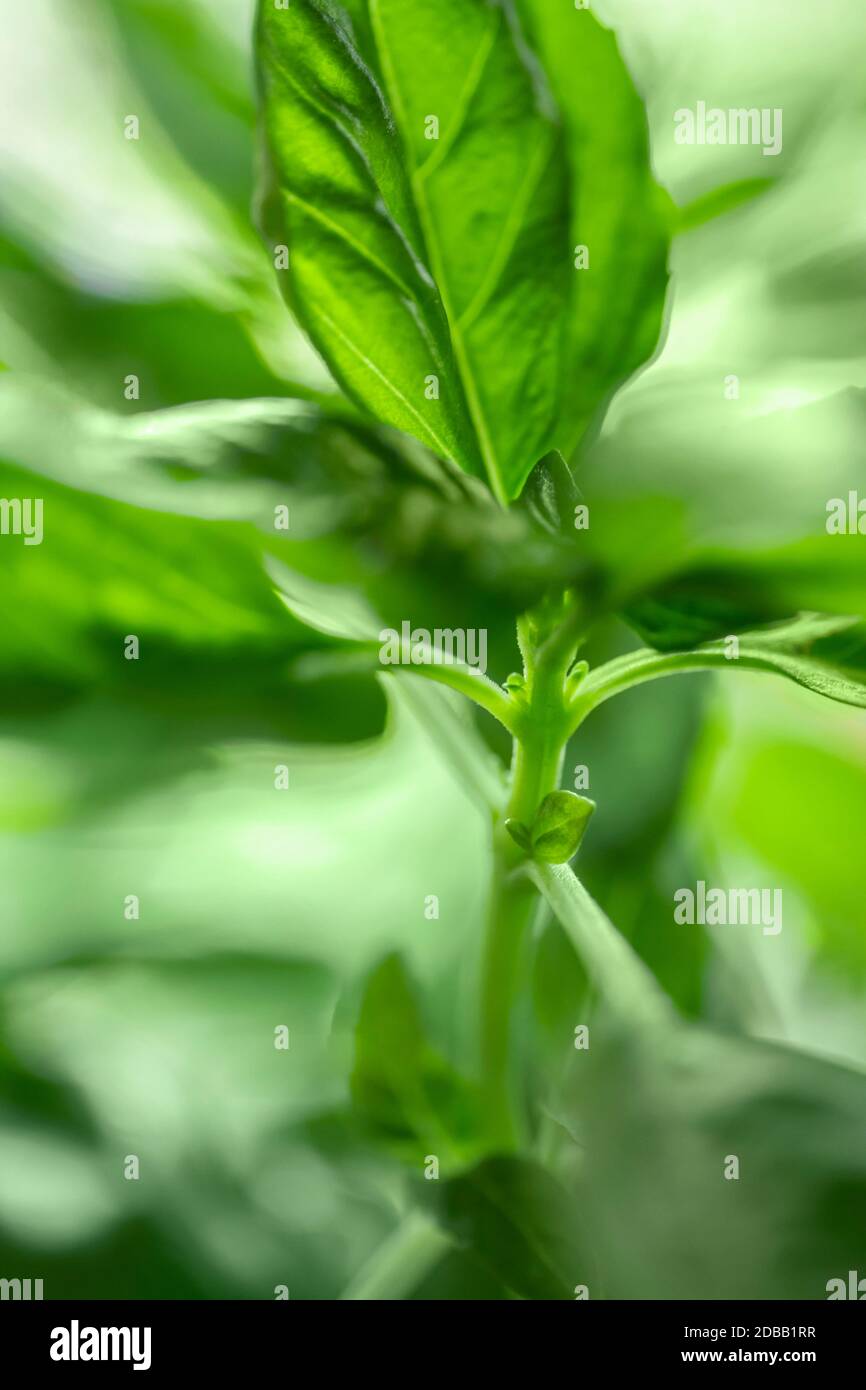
464 101
510 233
386 381
473 400
357 246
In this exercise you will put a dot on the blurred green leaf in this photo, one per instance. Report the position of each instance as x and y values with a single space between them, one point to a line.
518 1222
196 80
719 201
550 496
328 608
236 460
215 642
346 503
410 1097
800 807
181 348
688 484
663 1219
105 570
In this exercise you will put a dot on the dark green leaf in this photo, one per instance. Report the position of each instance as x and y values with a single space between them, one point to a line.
516 1219
700 607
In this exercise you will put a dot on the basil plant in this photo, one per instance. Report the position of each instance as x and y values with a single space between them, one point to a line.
455 206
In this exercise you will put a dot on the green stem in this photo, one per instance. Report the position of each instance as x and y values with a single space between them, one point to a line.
628 987
440 666
513 903
541 733
399 1264
771 651
637 667
537 765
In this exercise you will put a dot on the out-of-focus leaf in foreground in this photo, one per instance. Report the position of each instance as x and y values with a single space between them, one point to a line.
339 500
722 512
513 1217
664 1220
408 1096
215 641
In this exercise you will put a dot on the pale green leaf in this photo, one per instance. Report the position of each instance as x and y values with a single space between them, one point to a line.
725 513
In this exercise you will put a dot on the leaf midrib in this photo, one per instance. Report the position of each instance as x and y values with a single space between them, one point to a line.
473 400
360 250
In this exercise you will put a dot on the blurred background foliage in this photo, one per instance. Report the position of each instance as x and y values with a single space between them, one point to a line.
261 908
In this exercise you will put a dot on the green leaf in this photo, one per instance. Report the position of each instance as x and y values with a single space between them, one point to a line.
222 460
823 654
740 537
180 348
190 585
699 607
664 1220
414 257
827 655
196 80
345 502
720 201
105 569
792 795
327 608
514 1217
519 833
617 210
550 496
560 825
412 1100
